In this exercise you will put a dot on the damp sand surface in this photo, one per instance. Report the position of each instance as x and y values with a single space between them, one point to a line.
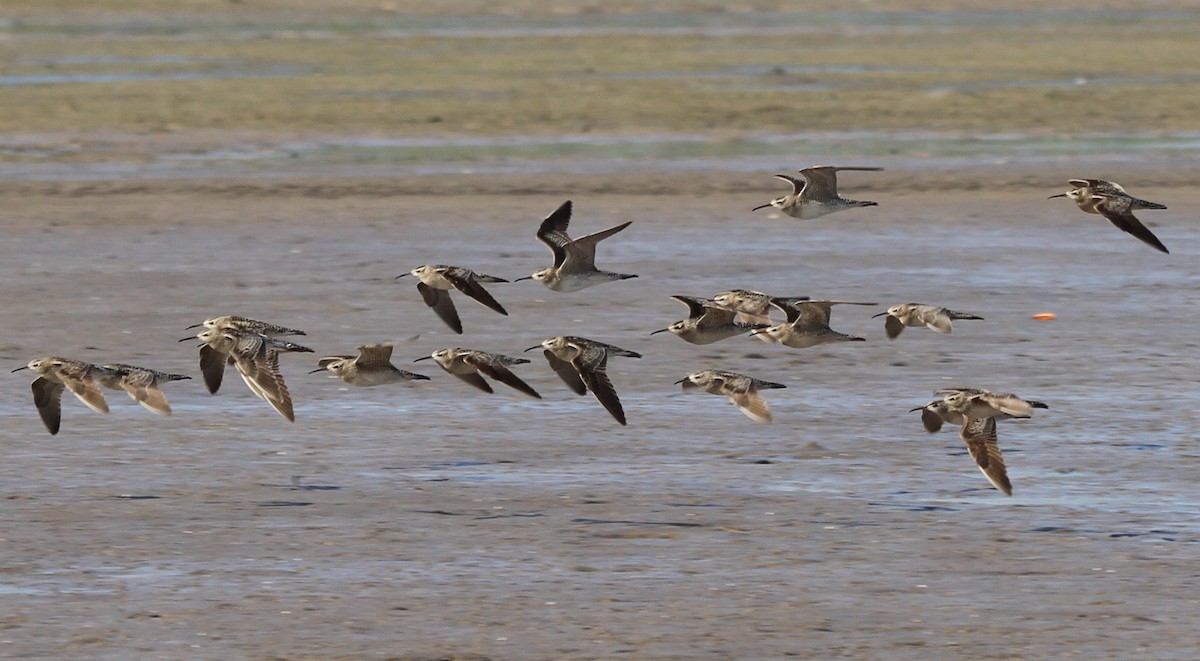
432 521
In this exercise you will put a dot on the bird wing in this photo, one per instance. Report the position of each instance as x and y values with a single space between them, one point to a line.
822 181
581 253
499 372
47 396
751 403
476 380
260 371
439 300
553 230
893 327
567 372
212 366
373 355
84 386
467 284
797 184
1117 211
935 318
142 386
591 364
931 420
979 435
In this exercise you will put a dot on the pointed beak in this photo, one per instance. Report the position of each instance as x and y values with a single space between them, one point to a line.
23 367
1054 196
761 206
876 316
680 381
528 277
319 369
536 346
188 338
916 409
422 358
661 330
401 276
193 326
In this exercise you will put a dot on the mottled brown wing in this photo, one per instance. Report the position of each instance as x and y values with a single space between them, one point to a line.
261 373
142 386
752 404
553 230
505 376
87 390
212 366
439 300
567 372
471 287
980 437
47 396
1120 216
374 355
592 367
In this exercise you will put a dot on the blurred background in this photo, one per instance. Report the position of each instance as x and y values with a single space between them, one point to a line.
139 88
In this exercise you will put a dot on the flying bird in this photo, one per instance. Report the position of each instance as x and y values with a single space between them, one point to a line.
1111 201
436 281
916 314
574 265
815 194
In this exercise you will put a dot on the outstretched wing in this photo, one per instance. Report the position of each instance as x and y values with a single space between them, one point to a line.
979 434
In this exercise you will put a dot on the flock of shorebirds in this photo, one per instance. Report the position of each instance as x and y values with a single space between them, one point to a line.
253 347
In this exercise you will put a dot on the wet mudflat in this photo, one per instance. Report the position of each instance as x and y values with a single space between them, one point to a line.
431 520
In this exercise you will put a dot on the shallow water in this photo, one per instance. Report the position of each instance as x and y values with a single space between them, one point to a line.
537 529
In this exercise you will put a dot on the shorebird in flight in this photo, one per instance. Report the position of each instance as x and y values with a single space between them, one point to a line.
807 324
753 307
916 315
55 374
816 193
142 384
256 357
707 322
741 390
470 365
976 411
1111 201
371 367
574 265
436 281
582 364
212 362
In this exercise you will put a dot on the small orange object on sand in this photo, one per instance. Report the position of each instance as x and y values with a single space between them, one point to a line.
1045 316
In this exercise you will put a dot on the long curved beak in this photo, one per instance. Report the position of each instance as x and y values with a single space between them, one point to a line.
528 277
661 330
761 206
680 381
1054 196
916 409
422 358
23 367
536 346
875 316
319 369
194 326
193 337
401 276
